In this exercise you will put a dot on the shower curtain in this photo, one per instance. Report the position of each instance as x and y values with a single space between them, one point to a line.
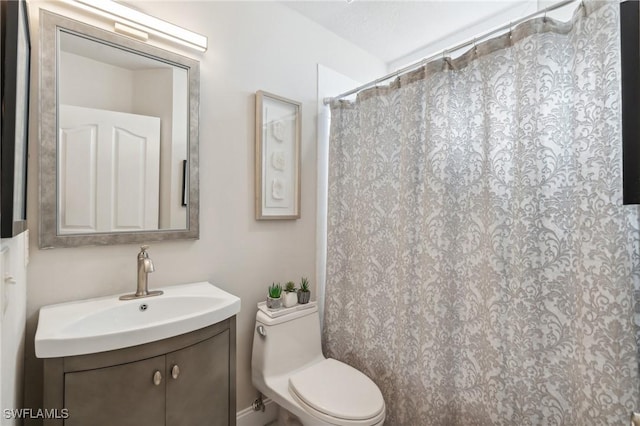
480 264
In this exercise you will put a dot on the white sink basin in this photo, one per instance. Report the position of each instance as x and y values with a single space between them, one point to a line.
107 323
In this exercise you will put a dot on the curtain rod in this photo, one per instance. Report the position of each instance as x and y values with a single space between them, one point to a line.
464 44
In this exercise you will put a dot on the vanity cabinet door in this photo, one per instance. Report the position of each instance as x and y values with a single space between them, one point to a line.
123 395
198 383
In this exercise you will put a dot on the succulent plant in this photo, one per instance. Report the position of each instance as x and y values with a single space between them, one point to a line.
290 287
275 290
304 294
304 285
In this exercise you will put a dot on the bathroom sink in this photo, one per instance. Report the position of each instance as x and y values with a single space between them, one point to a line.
107 323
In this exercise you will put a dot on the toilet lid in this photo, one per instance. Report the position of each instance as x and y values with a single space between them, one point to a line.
338 390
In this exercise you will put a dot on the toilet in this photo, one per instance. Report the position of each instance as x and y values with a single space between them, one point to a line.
287 366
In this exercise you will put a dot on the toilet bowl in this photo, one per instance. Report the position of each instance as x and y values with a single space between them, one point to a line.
287 366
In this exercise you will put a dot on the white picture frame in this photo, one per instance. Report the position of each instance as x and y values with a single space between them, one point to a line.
277 174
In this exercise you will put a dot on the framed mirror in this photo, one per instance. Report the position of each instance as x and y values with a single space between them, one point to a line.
14 117
119 121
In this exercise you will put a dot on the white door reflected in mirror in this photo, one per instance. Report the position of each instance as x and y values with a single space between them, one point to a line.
108 169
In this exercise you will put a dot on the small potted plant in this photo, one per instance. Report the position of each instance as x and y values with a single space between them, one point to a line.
290 298
274 301
304 294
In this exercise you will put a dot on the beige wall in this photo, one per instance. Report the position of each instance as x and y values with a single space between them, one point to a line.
253 46
98 91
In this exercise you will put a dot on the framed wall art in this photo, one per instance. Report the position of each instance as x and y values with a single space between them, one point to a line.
15 71
277 157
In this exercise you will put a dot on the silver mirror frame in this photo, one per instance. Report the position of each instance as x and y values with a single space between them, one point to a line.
50 25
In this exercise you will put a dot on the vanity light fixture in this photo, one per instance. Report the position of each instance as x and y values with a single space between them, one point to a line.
135 23
131 32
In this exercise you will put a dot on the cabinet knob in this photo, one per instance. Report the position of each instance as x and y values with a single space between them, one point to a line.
157 378
175 371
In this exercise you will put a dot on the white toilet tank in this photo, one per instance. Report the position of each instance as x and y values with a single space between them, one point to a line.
290 341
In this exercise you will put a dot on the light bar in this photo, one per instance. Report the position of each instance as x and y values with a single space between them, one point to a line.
143 22
131 32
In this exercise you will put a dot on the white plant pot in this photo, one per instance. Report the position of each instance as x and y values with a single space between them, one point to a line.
290 299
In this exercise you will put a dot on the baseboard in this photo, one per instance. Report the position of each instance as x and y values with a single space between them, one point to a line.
249 417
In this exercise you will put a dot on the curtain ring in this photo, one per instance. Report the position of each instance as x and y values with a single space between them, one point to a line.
510 31
475 46
544 18
445 59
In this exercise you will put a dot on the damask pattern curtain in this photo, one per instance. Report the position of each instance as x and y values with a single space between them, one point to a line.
480 264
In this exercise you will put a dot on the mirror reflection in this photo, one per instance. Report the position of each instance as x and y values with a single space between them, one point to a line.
123 140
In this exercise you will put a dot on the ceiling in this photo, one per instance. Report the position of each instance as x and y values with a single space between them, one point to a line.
391 30
104 52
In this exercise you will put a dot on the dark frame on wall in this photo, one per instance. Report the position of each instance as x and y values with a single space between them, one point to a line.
14 78
630 57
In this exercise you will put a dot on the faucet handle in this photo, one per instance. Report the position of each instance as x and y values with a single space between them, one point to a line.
144 248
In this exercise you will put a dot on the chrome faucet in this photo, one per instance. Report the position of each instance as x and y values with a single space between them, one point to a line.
145 266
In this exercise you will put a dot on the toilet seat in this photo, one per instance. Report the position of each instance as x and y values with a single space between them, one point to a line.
333 390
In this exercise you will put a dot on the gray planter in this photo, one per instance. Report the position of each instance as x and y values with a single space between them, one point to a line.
274 303
303 297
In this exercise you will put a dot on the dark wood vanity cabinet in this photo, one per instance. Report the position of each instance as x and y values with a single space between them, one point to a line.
201 392
187 380
105 395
